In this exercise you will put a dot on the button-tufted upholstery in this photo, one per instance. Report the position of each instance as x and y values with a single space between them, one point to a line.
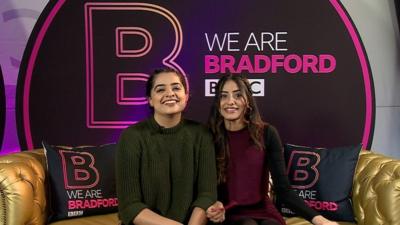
22 188
376 192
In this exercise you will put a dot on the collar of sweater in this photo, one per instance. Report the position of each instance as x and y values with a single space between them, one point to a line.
159 129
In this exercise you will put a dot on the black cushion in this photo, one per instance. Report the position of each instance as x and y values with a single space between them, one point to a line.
81 181
323 178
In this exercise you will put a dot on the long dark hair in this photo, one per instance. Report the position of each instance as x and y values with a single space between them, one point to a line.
252 117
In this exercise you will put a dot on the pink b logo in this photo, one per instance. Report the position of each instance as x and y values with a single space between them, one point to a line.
123 53
79 170
302 169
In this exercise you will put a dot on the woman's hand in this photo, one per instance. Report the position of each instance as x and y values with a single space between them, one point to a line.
216 212
320 220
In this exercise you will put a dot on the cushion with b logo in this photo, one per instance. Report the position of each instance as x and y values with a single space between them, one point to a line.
323 178
81 181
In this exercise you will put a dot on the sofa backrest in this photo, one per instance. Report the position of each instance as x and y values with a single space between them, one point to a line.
22 188
376 189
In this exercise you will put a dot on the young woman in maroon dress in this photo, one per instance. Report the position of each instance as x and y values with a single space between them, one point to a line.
248 150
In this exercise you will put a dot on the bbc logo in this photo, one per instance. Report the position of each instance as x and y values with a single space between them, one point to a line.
257 87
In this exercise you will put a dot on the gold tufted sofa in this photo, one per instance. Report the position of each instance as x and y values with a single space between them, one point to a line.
376 192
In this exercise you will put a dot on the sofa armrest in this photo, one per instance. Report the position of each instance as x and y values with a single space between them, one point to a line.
376 189
22 188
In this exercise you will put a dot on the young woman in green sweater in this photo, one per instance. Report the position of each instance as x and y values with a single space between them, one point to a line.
166 173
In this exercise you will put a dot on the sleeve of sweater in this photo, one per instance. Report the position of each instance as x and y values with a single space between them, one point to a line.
207 175
280 178
128 178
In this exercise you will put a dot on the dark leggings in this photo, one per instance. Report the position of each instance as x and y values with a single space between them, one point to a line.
250 221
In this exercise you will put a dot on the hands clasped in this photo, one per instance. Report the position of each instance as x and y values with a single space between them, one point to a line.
216 212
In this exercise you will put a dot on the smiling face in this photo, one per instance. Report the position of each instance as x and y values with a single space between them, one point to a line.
233 105
168 96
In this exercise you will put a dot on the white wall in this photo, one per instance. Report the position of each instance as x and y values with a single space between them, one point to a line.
17 19
376 22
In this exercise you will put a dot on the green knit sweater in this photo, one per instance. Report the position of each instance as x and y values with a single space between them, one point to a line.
167 170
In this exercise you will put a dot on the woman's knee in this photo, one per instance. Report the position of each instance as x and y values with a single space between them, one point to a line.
269 222
244 221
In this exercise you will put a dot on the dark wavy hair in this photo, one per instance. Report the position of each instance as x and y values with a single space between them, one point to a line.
252 118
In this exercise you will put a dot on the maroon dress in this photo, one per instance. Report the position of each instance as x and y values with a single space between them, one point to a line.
245 192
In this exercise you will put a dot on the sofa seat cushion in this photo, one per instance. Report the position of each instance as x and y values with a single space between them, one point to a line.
301 221
106 219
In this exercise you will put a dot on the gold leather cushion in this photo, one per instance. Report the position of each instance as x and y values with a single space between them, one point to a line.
107 219
301 221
